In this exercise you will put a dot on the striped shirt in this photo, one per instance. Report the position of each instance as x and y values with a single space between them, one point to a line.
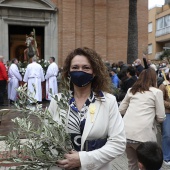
77 118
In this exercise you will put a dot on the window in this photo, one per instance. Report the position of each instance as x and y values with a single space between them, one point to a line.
163 26
150 27
167 21
159 23
163 22
150 49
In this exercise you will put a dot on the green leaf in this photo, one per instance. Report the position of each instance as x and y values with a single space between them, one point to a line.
46 140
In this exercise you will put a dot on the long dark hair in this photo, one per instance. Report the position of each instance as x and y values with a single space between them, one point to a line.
146 80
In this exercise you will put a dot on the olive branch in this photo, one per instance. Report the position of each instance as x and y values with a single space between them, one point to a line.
37 141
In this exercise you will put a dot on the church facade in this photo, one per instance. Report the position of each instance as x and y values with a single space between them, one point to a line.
63 25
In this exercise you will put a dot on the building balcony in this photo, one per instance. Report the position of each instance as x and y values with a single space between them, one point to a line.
163 35
157 55
163 31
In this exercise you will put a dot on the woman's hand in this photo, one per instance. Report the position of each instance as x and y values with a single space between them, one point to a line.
72 161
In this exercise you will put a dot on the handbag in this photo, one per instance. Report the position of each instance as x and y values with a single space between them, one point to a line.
91 145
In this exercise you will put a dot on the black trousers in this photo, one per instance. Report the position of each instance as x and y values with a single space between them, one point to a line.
3 84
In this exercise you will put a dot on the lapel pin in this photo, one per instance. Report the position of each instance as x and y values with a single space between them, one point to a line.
92 109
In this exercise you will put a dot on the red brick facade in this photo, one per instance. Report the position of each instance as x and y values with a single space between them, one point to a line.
99 24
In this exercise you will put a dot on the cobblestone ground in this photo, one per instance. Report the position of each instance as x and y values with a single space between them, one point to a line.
119 163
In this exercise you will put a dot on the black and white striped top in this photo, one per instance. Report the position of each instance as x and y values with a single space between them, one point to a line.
77 118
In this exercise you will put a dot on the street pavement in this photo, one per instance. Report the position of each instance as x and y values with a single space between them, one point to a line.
6 125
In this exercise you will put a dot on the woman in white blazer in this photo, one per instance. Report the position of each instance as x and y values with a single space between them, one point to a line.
141 107
94 122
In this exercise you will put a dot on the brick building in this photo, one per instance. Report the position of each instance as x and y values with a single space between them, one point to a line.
62 25
158 31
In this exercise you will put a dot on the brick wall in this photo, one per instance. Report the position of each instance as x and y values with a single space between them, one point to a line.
99 24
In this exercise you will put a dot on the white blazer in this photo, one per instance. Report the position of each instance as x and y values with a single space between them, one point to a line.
141 110
107 123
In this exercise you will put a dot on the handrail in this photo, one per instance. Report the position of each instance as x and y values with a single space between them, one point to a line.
163 31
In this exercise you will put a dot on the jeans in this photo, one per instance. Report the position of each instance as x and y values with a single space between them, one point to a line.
2 90
166 138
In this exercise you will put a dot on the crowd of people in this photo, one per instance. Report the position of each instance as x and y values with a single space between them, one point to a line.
111 109
11 77
139 94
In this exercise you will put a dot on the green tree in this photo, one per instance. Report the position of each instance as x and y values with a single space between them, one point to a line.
165 55
132 47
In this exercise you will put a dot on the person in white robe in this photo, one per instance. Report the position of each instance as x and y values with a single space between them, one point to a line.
34 76
51 79
14 78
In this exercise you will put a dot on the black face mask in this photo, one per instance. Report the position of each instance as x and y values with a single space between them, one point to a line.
81 78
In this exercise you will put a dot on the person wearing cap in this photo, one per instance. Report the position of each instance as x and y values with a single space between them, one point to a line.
3 80
114 78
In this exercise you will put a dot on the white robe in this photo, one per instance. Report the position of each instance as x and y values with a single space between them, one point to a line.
14 77
34 75
51 80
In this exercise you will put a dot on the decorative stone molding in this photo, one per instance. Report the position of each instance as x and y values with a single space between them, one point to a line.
31 4
41 13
